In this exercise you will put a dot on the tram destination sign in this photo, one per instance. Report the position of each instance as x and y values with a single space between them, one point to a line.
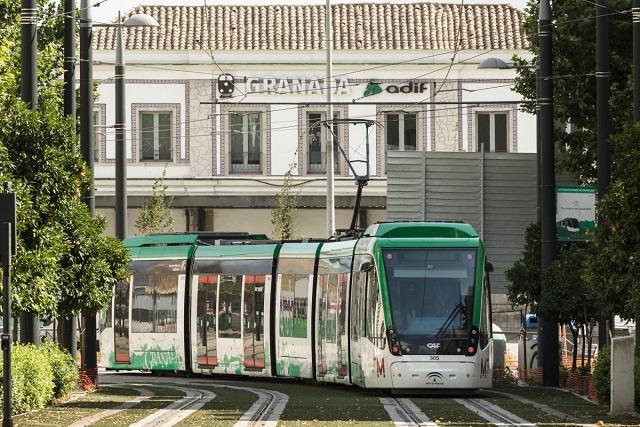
575 213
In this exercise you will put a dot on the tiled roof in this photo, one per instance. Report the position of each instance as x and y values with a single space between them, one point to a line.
430 26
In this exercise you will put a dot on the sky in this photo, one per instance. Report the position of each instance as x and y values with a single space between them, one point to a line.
108 9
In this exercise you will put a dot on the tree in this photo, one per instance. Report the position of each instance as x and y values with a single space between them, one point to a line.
574 82
283 214
155 214
558 292
615 259
64 263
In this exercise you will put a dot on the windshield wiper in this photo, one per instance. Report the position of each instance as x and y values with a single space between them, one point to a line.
458 309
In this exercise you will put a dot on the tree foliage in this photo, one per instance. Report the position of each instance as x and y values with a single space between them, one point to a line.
603 273
155 214
574 83
283 214
615 259
64 262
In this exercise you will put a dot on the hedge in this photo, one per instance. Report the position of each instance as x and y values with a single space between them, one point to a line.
39 376
602 377
65 371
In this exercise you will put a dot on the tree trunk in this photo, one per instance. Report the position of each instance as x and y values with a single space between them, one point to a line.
583 345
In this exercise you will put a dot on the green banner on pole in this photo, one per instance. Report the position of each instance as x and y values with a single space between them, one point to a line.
575 213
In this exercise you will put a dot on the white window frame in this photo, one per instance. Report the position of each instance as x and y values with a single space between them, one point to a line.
421 128
492 130
245 142
156 135
323 142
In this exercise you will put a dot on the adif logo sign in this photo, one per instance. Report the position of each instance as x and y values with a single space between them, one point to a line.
373 88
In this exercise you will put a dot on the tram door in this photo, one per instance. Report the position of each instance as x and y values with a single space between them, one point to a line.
121 321
331 354
206 320
253 322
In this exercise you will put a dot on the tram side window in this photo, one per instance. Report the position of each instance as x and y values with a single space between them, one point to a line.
229 309
485 318
154 308
374 314
294 293
105 316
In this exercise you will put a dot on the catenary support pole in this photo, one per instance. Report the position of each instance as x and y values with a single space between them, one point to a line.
602 125
636 105
69 336
330 158
5 250
86 141
121 144
549 339
29 324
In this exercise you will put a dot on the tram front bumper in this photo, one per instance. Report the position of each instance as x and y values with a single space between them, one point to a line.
435 374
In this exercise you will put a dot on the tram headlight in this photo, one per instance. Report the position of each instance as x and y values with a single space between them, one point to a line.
394 343
472 342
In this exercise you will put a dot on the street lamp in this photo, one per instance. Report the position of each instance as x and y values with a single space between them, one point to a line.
139 20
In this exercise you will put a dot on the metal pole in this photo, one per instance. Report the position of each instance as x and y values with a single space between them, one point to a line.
86 140
602 117
549 339
329 164
636 62
68 329
636 103
121 144
29 324
5 241
29 72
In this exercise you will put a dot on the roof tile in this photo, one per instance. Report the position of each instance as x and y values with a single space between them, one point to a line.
358 26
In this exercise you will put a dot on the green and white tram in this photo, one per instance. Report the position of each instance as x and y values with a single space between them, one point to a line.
405 306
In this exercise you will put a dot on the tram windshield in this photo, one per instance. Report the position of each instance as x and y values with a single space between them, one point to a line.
431 296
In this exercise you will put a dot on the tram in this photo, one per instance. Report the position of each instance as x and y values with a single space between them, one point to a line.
405 306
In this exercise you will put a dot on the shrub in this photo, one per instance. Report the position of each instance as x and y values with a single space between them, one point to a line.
32 379
602 377
65 371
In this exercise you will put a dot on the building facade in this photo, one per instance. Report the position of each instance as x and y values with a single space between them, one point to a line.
411 68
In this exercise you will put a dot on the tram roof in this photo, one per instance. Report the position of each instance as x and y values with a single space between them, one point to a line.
237 251
422 230
161 246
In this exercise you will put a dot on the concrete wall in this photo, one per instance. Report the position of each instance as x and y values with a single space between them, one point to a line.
310 222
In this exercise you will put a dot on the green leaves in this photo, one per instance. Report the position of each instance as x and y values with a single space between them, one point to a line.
64 264
155 213
574 83
284 212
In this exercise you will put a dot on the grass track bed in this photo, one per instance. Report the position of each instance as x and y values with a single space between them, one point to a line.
444 410
67 413
528 412
225 410
324 405
161 399
571 404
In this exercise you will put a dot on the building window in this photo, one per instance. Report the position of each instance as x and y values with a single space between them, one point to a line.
245 149
156 135
400 131
317 143
97 129
492 131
